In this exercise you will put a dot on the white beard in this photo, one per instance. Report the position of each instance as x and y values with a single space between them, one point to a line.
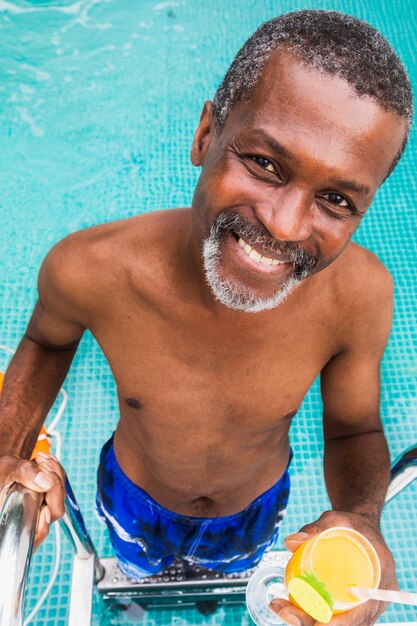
234 296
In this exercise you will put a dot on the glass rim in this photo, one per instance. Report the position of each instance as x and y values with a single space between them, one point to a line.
364 542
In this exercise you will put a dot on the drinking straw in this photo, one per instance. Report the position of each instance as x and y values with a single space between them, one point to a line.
386 595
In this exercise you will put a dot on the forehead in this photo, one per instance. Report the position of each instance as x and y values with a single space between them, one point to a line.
321 116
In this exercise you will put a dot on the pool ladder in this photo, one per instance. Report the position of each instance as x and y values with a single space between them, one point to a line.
17 530
184 583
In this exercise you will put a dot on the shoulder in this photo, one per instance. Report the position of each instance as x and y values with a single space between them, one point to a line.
361 277
87 265
81 259
72 273
363 290
96 249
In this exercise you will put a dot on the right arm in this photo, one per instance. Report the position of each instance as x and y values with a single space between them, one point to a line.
34 377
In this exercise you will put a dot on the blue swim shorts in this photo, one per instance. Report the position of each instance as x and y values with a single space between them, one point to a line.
147 537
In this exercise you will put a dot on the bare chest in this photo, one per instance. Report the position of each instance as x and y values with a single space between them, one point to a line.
180 369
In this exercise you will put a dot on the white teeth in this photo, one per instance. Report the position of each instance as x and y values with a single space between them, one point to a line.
255 255
265 260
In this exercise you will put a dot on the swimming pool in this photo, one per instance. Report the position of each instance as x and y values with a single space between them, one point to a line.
100 99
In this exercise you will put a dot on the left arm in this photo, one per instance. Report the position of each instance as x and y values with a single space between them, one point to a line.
356 459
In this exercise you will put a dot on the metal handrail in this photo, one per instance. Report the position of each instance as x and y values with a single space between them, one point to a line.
18 520
403 472
74 527
17 530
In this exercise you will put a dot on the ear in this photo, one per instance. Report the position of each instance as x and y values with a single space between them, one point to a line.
203 135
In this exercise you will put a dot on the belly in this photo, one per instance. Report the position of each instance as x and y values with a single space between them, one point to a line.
202 471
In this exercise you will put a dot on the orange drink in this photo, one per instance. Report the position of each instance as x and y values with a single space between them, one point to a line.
320 573
317 578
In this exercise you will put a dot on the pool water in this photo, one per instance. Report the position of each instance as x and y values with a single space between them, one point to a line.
99 102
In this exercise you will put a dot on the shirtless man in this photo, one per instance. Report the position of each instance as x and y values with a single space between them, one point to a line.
216 320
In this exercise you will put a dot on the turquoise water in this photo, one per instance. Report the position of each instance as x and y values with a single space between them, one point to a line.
99 102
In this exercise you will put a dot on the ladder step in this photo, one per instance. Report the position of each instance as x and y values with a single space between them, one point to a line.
182 580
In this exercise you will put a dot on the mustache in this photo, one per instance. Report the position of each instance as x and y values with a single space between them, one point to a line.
303 262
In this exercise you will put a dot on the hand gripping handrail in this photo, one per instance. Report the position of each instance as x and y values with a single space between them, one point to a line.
17 529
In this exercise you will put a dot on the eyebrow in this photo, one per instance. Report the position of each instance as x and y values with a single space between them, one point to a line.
278 148
274 144
352 186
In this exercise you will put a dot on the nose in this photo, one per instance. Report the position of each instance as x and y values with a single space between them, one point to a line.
287 214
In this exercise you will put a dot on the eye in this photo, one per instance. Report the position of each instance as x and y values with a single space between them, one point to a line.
337 199
338 206
266 164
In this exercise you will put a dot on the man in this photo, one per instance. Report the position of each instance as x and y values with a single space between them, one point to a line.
216 320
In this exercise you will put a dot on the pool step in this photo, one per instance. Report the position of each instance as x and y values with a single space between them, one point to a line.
181 583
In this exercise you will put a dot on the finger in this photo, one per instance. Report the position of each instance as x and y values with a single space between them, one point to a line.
55 496
29 475
42 528
294 616
277 604
52 463
328 519
292 542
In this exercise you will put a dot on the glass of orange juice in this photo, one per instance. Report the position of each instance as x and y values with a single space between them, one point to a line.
318 577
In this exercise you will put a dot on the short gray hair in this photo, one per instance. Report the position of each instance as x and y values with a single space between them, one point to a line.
330 42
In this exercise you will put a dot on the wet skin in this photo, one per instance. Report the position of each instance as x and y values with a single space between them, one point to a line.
206 393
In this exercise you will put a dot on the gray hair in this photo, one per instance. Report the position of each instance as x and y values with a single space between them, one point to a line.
332 43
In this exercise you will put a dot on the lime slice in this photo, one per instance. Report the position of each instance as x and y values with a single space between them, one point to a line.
309 599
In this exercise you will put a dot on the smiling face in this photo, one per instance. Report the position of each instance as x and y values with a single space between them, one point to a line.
286 182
